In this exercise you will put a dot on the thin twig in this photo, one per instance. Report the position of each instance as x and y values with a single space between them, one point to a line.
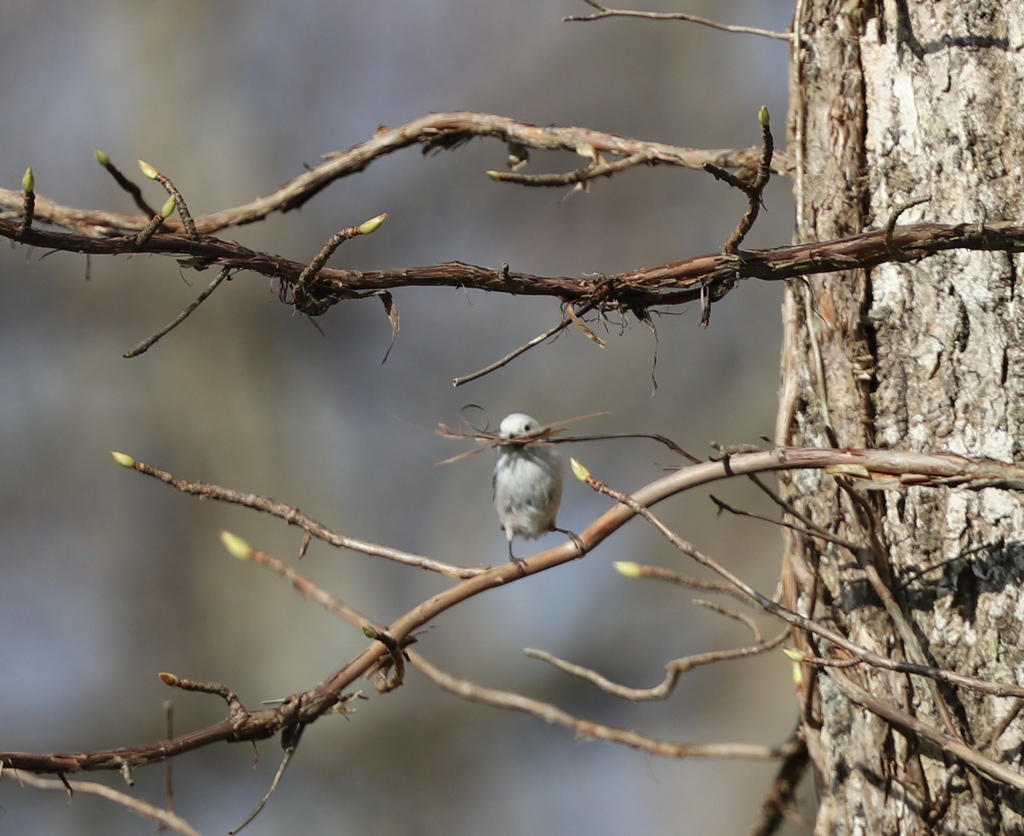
780 795
754 189
289 751
546 435
165 818
787 507
662 574
816 532
891 226
604 12
508 358
541 436
735 615
386 682
186 218
150 341
580 175
673 670
901 720
230 697
333 605
335 241
1002 725
128 185
143 238
310 590
169 766
587 729
293 516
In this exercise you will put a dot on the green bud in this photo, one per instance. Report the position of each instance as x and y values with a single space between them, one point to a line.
373 224
627 568
102 158
123 459
148 170
168 208
762 116
236 545
28 182
578 470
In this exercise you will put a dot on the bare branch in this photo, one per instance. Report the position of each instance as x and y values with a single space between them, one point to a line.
395 663
169 765
912 725
775 804
816 531
128 185
735 615
570 317
432 132
674 669
636 505
165 818
149 342
289 752
603 12
580 175
336 241
588 730
706 278
303 585
293 516
662 574
754 189
186 217
898 468
230 697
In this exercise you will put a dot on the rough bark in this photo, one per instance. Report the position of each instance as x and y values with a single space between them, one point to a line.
893 102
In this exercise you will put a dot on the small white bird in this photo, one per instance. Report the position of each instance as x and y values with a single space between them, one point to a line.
527 483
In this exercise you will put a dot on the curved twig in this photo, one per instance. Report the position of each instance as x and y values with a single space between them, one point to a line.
432 132
293 516
603 12
589 730
164 818
569 178
673 670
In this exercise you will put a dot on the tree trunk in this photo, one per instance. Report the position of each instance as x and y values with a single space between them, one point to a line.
893 102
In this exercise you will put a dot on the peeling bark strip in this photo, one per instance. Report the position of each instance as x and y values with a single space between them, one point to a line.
895 102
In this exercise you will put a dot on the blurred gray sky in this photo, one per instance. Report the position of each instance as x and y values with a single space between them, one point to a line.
107 578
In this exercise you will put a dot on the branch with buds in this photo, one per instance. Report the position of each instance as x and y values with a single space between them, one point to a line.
313 288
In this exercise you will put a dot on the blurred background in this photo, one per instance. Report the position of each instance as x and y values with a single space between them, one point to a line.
107 577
